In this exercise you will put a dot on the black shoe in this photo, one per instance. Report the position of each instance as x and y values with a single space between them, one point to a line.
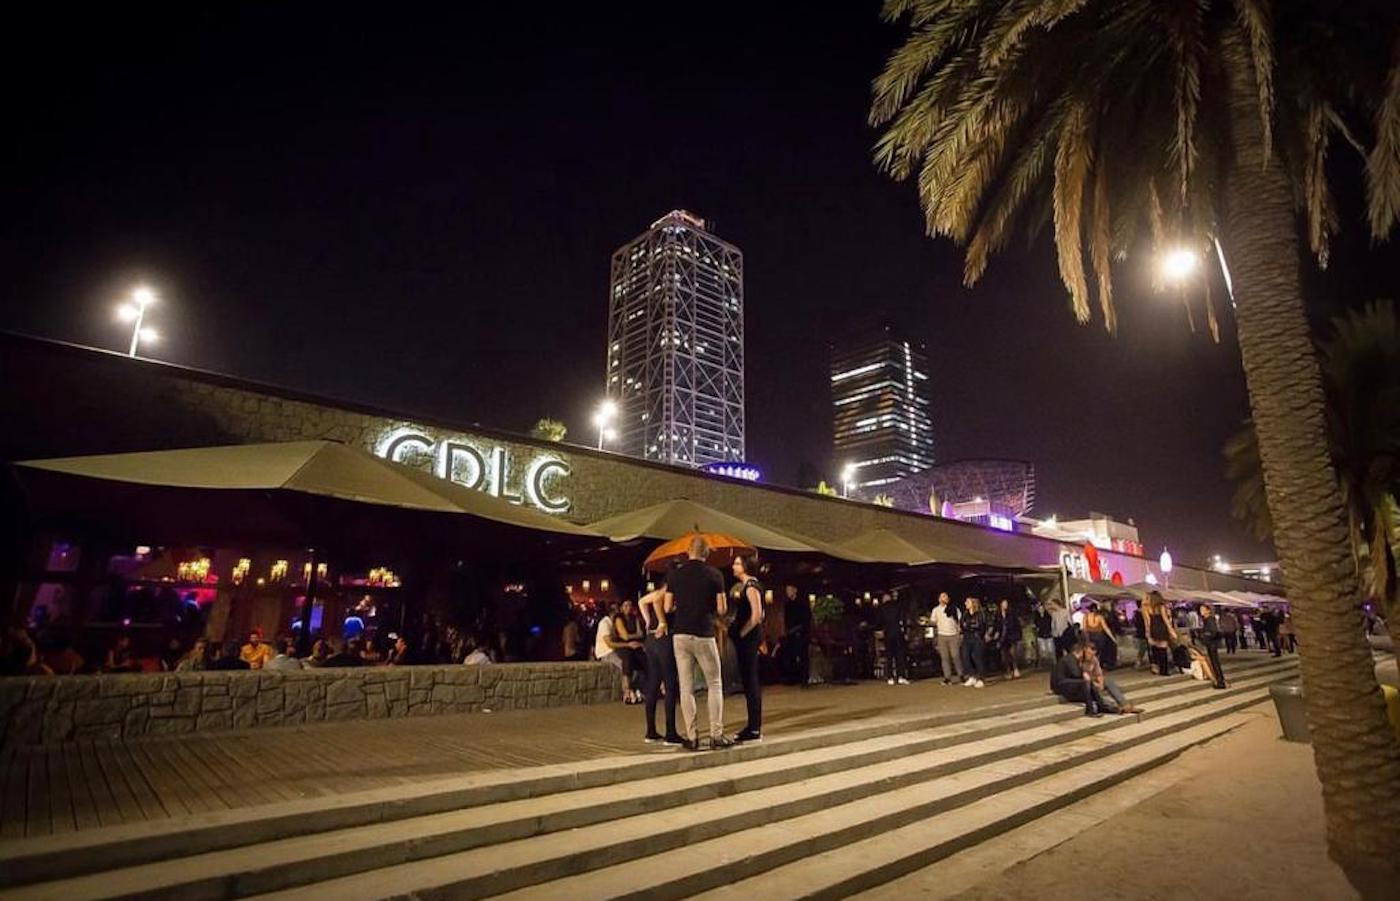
747 736
674 740
1219 687
652 738
721 743
689 745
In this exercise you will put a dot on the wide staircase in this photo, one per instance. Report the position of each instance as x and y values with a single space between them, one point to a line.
822 813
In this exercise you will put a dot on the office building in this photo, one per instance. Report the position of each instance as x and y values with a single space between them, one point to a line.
675 362
880 402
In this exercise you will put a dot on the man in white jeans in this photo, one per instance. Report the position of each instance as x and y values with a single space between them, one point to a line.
694 594
945 624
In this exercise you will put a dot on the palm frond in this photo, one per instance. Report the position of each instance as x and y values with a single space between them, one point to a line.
1100 237
1383 165
1318 208
1073 159
919 55
1184 25
1255 17
1016 19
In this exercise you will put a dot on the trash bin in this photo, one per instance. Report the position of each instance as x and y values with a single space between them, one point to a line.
1288 701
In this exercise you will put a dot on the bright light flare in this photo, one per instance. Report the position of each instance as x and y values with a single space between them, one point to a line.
149 335
1178 264
143 296
127 313
609 434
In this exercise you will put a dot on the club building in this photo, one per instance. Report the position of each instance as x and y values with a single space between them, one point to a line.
59 399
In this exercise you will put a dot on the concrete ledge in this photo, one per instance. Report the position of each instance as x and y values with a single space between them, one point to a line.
51 710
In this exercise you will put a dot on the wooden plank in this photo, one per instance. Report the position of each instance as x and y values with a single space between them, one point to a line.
196 794
60 795
116 784
166 785
263 754
38 820
15 787
103 801
151 808
84 812
242 772
213 792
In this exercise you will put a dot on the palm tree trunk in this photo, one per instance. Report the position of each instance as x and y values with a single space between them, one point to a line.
1357 756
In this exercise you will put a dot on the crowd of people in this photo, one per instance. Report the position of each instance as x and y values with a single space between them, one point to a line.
53 653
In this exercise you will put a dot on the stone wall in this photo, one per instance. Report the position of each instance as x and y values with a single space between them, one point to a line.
47 710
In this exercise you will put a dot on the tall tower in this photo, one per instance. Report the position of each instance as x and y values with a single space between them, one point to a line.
676 344
880 405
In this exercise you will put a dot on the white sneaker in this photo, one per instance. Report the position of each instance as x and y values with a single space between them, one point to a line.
981 684
890 682
902 681
969 682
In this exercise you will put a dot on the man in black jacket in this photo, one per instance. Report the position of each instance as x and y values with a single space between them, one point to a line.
1209 637
1069 681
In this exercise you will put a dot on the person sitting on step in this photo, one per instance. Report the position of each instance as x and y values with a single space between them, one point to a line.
1069 680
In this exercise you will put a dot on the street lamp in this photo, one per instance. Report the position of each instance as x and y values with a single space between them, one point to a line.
848 476
603 418
1178 264
135 313
1165 561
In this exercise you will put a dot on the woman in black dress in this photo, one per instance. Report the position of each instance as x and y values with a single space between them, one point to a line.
1010 639
747 636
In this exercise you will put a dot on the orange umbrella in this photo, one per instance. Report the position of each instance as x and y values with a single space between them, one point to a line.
723 549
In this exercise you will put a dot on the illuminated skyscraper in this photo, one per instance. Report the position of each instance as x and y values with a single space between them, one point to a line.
675 362
880 403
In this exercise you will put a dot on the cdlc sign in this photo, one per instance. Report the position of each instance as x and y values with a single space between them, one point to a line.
483 467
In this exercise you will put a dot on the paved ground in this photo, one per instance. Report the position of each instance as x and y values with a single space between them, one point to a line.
90 784
1238 818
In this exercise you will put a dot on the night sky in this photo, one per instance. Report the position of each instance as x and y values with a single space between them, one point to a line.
415 209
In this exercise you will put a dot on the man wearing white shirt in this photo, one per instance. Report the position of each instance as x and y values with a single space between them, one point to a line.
945 625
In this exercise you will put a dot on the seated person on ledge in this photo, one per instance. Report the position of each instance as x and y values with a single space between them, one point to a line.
1106 687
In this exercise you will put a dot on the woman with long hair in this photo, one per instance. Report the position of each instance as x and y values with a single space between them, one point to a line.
1161 632
747 635
975 625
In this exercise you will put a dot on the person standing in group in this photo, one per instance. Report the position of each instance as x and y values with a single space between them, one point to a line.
1209 636
1160 633
1044 636
747 632
1100 635
1272 621
893 614
1257 626
797 613
1009 625
1230 630
611 649
1062 624
1144 650
1287 638
975 626
661 667
949 632
694 595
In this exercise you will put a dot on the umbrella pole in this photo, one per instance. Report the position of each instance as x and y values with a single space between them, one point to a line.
304 640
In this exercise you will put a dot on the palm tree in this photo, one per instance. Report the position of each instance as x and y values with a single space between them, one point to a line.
1125 123
547 429
1361 380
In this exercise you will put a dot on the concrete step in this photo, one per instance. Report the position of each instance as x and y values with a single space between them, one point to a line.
833 852
863 865
503 796
552 856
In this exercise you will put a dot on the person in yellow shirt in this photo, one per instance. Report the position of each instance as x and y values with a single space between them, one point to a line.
256 653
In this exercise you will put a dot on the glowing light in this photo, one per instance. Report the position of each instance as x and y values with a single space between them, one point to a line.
240 571
149 335
127 313
143 296
1151 579
1178 264
1165 561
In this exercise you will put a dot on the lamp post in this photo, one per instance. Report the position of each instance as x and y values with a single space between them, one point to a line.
848 476
1165 561
603 418
135 313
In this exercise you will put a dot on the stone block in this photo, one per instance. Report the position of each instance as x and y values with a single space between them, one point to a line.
469 675
338 712
244 686
271 699
135 724
71 688
376 707
245 714
186 701
92 711
57 724
99 732
214 721
170 726
41 689
345 690
163 698
216 702
489 675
